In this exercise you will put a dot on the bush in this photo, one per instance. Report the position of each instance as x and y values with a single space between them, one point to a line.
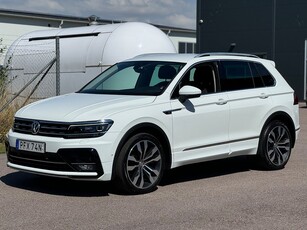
7 114
3 72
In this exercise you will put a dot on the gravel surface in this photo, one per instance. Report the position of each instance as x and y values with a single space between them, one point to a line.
226 194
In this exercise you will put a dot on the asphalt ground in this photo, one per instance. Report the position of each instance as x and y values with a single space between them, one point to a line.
225 194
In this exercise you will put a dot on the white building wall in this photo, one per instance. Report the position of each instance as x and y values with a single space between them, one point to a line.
176 40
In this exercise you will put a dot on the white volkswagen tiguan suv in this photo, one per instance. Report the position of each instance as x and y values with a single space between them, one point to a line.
155 112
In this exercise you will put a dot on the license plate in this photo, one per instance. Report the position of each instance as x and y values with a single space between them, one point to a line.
37 147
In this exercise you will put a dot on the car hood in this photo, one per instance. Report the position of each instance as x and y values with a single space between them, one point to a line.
81 107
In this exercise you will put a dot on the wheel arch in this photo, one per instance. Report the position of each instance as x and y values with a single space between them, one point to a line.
149 128
285 118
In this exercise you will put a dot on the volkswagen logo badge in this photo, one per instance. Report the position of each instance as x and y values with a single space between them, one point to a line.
35 127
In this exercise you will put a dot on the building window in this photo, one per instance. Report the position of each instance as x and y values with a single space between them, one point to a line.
186 47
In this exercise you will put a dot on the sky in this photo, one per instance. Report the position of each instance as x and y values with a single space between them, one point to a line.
177 13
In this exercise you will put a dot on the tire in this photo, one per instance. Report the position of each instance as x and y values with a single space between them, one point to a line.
274 148
140 164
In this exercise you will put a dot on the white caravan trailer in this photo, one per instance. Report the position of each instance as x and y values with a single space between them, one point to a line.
84 53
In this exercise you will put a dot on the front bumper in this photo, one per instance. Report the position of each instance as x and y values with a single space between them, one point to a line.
65 162
52 172
83 159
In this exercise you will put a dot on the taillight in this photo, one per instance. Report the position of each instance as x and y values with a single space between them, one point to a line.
295 99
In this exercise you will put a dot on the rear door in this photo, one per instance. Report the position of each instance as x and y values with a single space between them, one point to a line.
249 102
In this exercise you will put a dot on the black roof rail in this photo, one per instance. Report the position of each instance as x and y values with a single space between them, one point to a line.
227 54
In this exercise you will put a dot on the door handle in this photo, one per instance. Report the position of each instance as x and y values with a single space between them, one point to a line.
221 102
263 96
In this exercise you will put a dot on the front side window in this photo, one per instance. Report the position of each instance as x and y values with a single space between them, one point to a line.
134 78
202 76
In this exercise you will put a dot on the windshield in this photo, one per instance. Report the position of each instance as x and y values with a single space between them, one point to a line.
134 78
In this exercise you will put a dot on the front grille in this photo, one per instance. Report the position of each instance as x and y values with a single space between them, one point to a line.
47 128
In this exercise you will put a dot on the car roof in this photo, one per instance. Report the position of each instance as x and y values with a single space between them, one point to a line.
171 57
184 58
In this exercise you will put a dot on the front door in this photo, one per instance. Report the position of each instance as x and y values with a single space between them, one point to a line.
200 125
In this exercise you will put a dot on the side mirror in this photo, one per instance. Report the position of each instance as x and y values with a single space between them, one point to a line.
188 91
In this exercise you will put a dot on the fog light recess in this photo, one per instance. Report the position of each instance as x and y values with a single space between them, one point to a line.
86 167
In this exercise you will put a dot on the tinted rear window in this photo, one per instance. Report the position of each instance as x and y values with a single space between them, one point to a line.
265 75
240 75
235 75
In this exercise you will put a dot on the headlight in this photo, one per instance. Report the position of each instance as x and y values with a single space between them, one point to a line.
88 129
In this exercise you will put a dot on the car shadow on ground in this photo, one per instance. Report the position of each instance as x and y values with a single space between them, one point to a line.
57 186
66 187
209 169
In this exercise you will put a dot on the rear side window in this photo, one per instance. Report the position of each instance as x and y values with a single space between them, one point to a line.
267 78
258 81
239 75
235 75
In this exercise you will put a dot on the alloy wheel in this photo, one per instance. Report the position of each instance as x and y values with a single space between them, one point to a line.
144 164
278 145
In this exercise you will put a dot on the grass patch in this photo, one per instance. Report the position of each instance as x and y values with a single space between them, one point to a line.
6 117
2 148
